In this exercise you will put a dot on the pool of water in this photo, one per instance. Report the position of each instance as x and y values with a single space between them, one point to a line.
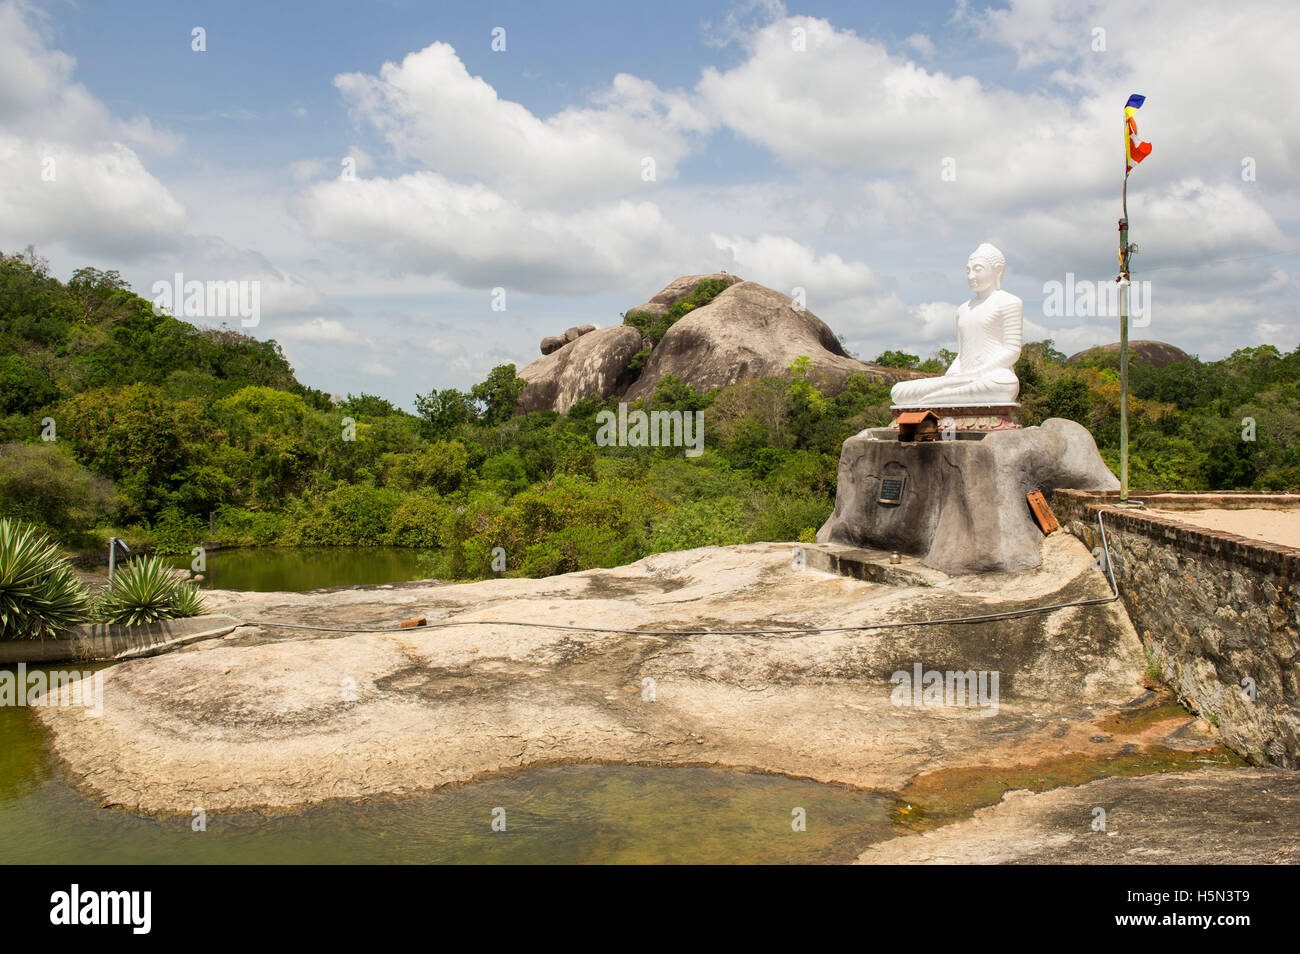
572 814
295 569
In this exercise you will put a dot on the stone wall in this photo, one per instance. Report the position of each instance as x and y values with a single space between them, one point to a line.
1216 612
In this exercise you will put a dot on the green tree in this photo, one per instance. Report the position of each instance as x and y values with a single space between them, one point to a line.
897 359
498 395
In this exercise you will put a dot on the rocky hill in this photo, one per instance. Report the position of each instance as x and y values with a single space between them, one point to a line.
1159 353
744 330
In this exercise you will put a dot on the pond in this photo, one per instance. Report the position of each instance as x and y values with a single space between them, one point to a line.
296 569
573 814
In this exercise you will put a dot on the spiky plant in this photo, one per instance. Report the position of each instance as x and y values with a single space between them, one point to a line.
39 594
187 601
144 591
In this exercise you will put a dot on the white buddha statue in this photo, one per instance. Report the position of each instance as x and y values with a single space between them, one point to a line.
988 345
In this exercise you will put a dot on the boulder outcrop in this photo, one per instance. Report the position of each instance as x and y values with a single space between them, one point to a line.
593 364
553 343
746 331
678 289
750 331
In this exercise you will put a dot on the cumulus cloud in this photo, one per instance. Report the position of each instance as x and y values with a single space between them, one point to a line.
782 263
429 108
320 330
424 223
68 172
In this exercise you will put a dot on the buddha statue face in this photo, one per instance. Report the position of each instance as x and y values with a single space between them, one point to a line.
984 269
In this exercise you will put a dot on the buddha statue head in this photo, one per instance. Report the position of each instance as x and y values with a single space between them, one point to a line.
984 269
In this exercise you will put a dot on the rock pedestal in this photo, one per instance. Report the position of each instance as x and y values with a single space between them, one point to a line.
959 504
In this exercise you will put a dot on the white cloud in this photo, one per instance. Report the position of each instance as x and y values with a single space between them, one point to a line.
100 203
922 44
423 223
430 109
320 330
784 264
67 173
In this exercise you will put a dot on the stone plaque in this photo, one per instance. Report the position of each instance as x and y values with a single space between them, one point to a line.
891 490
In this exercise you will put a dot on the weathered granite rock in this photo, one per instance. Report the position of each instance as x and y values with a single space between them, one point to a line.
553 343
260 718
591 366
1215 816
750 331
963 506
678 289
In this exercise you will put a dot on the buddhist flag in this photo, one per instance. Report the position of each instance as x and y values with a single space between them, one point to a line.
1135 151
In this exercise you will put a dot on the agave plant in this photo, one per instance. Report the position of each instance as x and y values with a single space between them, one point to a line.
187 601
39 594
146 591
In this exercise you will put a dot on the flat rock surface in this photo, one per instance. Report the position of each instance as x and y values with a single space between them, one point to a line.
1214 816
278 717
1271 526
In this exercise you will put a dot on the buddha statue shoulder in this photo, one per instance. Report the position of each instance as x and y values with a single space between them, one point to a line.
989 333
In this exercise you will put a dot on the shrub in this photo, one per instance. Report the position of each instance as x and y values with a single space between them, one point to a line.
790 518
174 532
146 591
655 326
349 515
417 522
43 485
256 527
441 467
39 594
506 471
704 523
567 523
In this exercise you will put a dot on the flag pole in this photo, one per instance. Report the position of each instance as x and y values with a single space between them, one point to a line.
1132 156
1123 339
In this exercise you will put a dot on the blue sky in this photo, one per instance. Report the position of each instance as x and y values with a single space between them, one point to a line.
815 163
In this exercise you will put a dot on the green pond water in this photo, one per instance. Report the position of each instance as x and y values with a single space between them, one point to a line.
572 814
296 569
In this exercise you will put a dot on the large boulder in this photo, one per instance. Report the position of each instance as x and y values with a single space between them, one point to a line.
963 506
749 331
592 365
678 289
1159 353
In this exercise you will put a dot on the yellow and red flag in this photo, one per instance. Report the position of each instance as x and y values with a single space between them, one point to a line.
1134 150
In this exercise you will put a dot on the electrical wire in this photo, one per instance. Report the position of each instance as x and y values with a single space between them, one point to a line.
775 631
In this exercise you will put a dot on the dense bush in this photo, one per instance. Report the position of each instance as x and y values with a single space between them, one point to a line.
350 515
417 522
43 485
